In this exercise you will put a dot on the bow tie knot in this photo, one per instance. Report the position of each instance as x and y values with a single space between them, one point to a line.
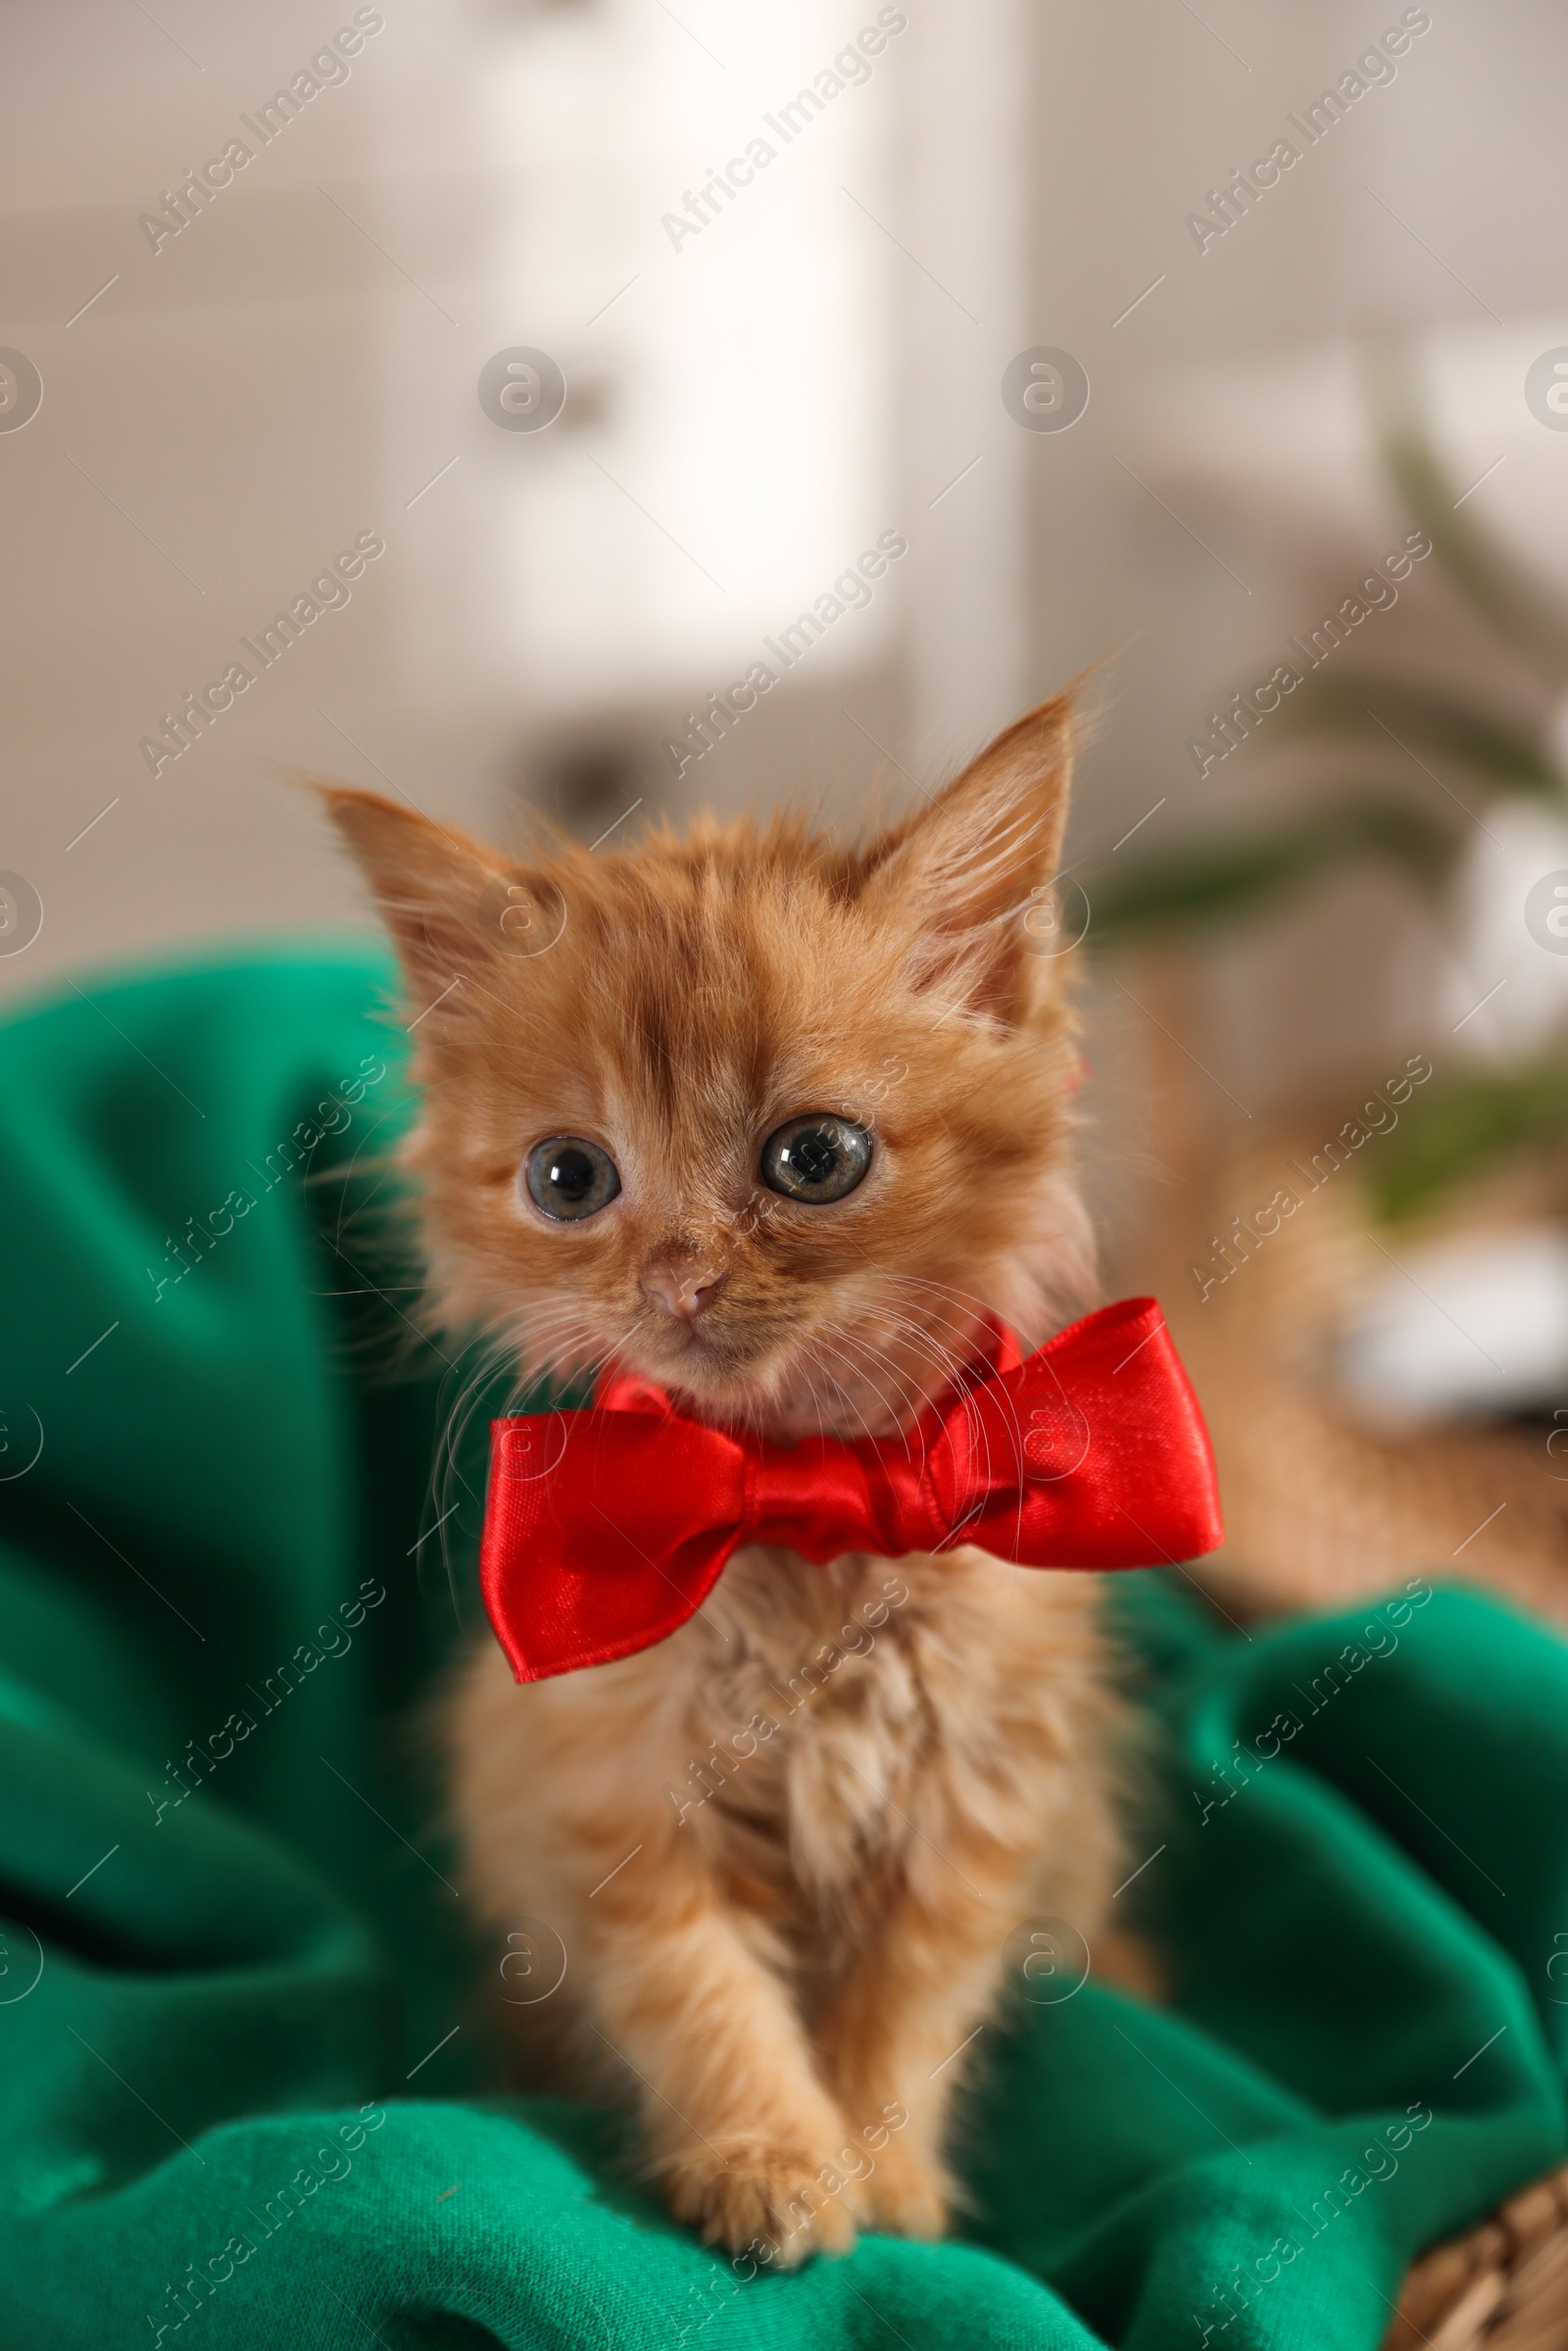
605 1530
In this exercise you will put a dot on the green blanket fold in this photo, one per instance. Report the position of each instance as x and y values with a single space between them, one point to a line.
245 2072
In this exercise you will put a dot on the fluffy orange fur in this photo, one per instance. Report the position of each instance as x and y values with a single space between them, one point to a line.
785 1848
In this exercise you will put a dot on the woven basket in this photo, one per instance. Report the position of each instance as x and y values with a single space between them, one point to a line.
1321 1509
1505 2285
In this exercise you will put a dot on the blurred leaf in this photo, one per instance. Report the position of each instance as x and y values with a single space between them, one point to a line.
1523 609
1451 1132
1401 715
1197 882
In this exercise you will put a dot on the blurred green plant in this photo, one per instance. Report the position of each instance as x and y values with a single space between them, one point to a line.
1367 710
1457 1129
1423 829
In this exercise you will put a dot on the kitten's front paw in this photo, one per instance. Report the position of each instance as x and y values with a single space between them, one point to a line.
908 2194
743 2193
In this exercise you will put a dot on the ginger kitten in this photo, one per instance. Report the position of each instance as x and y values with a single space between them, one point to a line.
784 1848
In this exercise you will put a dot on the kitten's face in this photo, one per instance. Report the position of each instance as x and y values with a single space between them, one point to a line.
771 1121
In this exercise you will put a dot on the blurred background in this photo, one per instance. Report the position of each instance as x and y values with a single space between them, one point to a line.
456 397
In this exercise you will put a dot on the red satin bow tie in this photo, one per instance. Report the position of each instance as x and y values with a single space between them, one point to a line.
606 1530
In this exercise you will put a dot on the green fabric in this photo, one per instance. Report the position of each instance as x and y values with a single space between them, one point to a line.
205 2000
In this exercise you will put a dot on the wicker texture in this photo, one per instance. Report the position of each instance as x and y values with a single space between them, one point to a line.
1505 2285
1320 1507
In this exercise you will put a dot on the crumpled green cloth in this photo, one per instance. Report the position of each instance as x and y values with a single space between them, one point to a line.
246 2084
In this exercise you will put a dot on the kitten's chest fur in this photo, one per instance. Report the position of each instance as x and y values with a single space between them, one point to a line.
819 1743
845 1714
814 1717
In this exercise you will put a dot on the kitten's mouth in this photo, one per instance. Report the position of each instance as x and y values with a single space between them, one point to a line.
776 1382
724 1375
712 1355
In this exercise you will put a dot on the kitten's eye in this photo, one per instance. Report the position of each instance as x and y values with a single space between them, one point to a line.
570 1177
815 1158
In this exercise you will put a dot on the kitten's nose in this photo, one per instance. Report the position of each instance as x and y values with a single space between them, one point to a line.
683 1291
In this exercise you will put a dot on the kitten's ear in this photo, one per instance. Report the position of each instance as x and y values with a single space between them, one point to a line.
965 865
453 906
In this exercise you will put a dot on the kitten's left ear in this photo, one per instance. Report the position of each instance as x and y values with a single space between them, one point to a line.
454 907
965 865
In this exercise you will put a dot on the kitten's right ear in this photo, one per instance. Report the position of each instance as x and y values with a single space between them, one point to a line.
965 869
453 906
